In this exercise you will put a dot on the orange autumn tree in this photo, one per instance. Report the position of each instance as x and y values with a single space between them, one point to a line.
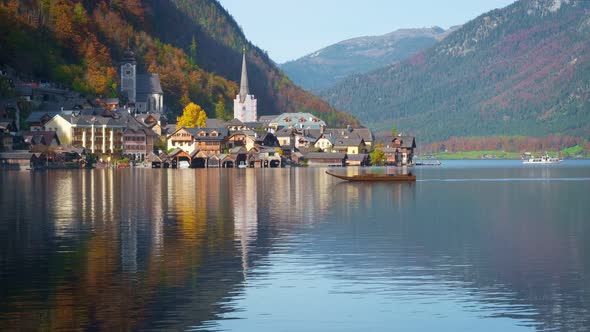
192 116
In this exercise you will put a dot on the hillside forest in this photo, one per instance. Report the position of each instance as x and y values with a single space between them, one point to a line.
194 45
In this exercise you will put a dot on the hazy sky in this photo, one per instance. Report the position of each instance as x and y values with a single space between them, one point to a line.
289 29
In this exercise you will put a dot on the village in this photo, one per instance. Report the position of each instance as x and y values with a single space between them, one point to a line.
72 132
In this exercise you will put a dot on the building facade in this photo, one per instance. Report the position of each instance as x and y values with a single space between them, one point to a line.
138 142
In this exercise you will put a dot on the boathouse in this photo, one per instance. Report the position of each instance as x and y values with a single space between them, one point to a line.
326 159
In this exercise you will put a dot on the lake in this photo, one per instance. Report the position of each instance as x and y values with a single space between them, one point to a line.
472 245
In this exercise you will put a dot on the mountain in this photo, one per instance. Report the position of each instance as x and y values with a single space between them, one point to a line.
520 70
326 67
194 45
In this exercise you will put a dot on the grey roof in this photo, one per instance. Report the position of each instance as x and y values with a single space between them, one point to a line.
365 133
36 116
284 132
152 157
407 141
40 137
19 155
348 141
135 125
223 132
215 123
253 125
324 155
234 122
89 111
144 116
169 129
267 150
331 139
315 133
97 120
238 150
299 120
148 84
69 104
388 150
266 118
174 152
358 157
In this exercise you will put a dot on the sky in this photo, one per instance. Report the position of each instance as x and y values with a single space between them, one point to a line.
290 29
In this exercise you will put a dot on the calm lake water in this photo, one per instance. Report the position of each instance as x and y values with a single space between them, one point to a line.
473 246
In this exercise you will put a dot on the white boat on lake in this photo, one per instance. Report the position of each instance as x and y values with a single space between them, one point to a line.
545 159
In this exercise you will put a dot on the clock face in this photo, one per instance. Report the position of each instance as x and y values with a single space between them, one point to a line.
127 70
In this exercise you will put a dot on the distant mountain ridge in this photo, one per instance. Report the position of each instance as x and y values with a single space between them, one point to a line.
520 70
326 67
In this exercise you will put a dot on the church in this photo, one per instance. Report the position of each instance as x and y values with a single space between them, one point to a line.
245 103
144 90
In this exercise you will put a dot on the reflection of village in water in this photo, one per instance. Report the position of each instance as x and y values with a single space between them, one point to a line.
176 250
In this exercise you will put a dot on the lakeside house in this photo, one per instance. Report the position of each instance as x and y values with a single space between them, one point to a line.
400 151
209 140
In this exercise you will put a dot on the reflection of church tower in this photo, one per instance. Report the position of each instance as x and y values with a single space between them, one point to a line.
245 103
129 76
245 214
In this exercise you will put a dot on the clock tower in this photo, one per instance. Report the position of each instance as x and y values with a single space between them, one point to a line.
129 76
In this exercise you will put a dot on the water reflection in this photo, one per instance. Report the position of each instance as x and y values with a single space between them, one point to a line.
179 249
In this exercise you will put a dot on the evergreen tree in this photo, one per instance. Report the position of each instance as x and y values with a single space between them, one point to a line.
220 111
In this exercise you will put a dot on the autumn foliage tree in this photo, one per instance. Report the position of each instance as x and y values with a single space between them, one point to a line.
192 116
378 157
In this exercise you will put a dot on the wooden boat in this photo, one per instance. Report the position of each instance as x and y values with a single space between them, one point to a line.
376 177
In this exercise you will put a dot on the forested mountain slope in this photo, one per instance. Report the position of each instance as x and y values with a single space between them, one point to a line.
194 45
520 70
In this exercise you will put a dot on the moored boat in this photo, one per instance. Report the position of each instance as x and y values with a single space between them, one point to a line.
376 177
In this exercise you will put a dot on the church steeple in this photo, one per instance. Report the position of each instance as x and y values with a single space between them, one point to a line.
245 105
244 90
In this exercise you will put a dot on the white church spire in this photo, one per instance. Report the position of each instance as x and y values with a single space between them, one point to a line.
245 104
244 90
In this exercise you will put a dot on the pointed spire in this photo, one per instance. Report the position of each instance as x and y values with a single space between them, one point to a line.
244 91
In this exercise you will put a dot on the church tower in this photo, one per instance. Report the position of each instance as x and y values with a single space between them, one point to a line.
129 76
245 103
